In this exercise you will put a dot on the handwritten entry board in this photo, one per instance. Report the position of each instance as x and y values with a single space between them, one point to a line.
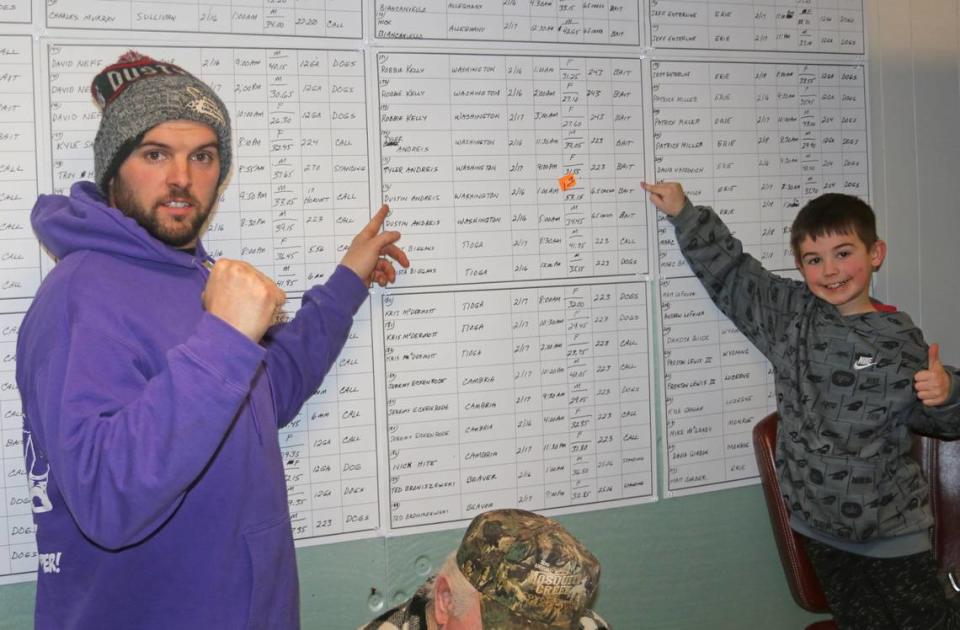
548 347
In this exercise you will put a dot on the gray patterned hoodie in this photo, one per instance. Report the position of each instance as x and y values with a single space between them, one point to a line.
844 388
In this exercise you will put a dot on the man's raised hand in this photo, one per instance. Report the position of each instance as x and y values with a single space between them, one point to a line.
371 250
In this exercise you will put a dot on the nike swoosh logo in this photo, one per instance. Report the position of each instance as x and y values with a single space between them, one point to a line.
863 363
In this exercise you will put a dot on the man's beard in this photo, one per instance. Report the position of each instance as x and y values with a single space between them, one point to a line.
189 228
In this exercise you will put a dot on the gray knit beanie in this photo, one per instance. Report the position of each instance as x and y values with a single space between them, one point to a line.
138 93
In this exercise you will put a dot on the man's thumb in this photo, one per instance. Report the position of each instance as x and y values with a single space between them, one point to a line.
933 355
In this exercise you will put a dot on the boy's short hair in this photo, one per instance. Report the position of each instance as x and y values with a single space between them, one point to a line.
834 213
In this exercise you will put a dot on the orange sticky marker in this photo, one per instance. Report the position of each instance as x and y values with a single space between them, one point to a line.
567 181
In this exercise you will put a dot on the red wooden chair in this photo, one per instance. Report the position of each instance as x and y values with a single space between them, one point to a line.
803 582
940 462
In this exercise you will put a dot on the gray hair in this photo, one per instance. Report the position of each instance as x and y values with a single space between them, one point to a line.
462 593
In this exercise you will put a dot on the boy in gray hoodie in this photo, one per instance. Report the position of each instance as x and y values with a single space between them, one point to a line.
853 378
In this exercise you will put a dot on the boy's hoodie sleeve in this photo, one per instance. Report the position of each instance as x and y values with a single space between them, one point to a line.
756 300
301 351
125 448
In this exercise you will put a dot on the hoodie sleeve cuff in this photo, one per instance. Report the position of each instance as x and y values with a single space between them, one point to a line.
225 350
686 216
954 398
348 288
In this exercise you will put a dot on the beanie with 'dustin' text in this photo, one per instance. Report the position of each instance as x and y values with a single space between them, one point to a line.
136 94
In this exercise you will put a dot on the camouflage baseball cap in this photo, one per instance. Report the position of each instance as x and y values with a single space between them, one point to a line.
529 570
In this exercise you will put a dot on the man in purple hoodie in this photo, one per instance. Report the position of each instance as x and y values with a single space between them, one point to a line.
154 381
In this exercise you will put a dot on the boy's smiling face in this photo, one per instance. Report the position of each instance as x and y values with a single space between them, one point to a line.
838 267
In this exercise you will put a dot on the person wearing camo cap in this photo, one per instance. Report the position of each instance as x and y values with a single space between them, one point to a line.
513 570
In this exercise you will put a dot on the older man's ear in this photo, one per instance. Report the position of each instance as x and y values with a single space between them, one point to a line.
442 601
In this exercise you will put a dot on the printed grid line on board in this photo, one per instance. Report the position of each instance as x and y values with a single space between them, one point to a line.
536 397
300 18
806 26
473 147
20 274
21 488
755 142
600 22
15 12
330 449
20 271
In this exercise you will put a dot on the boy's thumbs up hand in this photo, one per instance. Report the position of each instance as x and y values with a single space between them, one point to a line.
933 383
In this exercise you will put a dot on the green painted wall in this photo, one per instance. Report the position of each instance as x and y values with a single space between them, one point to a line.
695 562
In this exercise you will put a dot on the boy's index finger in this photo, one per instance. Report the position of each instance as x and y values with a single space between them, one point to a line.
657 188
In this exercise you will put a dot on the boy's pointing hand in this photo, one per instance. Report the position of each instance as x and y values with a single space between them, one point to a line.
667 196
932 384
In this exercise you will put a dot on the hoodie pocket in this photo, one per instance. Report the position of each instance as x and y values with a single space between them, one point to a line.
274 590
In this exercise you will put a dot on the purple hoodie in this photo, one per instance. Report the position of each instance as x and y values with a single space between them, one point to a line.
151 431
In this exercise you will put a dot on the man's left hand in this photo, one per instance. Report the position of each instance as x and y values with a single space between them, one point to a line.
371 250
